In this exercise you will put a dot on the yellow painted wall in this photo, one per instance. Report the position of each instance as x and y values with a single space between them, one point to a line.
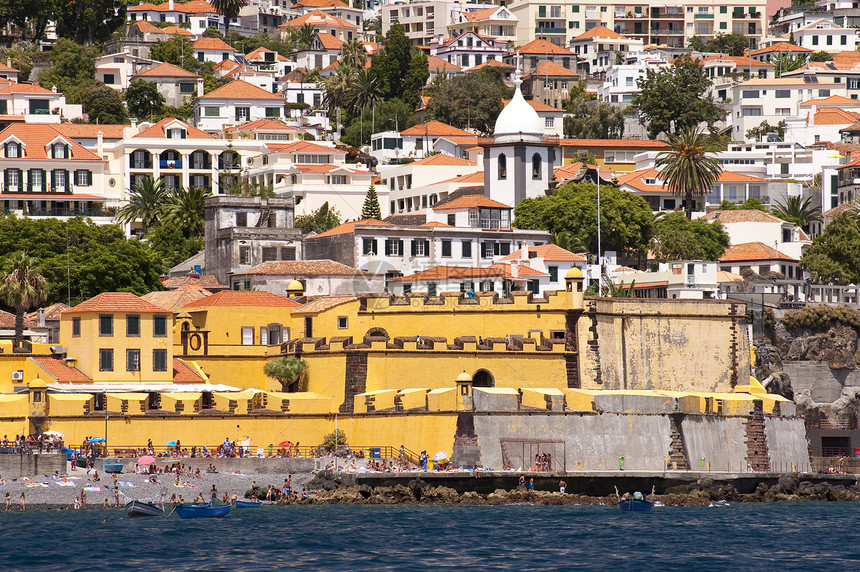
225 323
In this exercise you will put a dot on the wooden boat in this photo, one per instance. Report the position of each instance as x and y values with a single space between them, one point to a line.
248 504
140 508
202 510
635 504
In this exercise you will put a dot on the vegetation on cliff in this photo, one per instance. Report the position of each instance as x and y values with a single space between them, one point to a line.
821 318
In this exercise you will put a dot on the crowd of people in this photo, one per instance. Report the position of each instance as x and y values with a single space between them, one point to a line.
23 444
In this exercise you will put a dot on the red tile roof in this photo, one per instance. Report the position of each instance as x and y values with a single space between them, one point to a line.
238 89
259 55
835 116
476 178
552 69
321 4
548 252
542 47
36 138
26 88
213 44
470 202
835 100
537 106
182 372
492 64
264 124
477 15
452 273
192 7
349 227
301 146
90 130
166 70
329 42
170 299
157 130
753 251
205 281
781 47
741 215
434 129
318 18
302 268
442 160
58 369
324 303
600 32
437 63
115 302
838 209
243 299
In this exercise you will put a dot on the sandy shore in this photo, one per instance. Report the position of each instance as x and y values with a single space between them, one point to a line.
45 492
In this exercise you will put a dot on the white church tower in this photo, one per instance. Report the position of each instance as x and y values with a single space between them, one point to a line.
518 164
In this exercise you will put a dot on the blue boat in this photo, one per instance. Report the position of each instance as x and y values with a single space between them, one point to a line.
202 510
248 504
112 466
140 508
635 504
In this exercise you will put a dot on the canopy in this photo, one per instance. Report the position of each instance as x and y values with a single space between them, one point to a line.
96 440
146 460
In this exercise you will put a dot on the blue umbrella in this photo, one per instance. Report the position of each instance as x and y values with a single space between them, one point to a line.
96 440
171 443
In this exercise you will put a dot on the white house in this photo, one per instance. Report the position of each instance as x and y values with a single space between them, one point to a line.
408 183
323 51
35 104
468 50
415 141
825 35
117 70
600 46
235 103
212 50
747 226
175 84
621 80
322 22
197 14
497 22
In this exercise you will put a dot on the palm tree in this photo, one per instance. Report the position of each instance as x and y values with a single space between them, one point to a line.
364 91
374 26
185 209
353 54
337 89
229 9
146 202
287 370
687 167
22 288
798 210
305 35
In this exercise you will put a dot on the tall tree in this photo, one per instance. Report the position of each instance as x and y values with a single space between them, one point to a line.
304 35
287 371
22 287
588 118
401 68
229 9
689 168
185 210
73 68
89 22
785 62
798 210
674 98
146 202
370 208
177 51
364 91
320 220
103 105
143 98
832 257
353 54
470 101
678 238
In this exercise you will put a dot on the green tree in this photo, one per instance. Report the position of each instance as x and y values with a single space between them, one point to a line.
22 287
688 167
91 21
320 220
229 9
29 16
749 204
373 25
364 91
353 54
820 56
678 238
103 105
588 118
170 245
146 202
832 257
785 62
733 44
176 51
470 101
400 68
626 220
674 98
143 99
185 210
73 68
304 36
287 371
370 208
798 210
334 440
394 114
756 133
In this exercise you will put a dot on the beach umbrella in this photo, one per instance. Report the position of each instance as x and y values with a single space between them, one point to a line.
96 440
286 444
53 434
171 443
146 460
440 456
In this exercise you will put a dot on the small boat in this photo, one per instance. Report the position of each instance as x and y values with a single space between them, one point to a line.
112 466
635 504
248 504
140 508
202 510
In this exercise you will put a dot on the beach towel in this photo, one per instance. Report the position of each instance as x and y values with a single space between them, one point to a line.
92 489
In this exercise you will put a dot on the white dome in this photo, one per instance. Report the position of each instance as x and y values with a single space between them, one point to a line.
518 121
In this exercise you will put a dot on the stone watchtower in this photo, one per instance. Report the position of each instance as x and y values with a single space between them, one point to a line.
573 285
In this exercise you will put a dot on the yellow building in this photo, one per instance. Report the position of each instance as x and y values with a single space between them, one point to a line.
615 154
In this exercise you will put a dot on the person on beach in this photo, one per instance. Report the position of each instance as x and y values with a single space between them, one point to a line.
562 486
8 501
522 482
83 498
23 503
77 503
531 484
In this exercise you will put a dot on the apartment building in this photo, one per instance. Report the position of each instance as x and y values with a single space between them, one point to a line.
496 22
424 20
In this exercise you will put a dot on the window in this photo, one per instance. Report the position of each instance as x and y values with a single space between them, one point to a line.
783 93
105 359
452 219
13 150
247 335
549 122
750 94
368 246
186 87
814 40
536 166
467 249
420 247
159 326
13 180
752 112
503 167
40 107
446 248
159 360
288 253
270 253
83 178
243 113
76 327
132 360
132 325
338 180
59 181
105 325
342 322
109 79
58 151
273 112
244 255
393 247
212 111
553 273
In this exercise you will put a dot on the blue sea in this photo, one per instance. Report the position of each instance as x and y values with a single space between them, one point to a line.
807 536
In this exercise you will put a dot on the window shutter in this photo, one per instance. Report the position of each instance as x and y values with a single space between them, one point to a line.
68 183
414 246
388 248
30 180
53 152
426 248
400 244
6 180
5 149
89 178
53 180
44 182
183 134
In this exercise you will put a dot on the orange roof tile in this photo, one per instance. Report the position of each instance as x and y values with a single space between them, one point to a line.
243 299
452 273
324 303
318 18
264 124
477 15
440 159
492 64
302 268
741 215
182 372
542 47
192 281
613 143
90 130
435 129
170 299
115 302
476 178
192 7
522 270
550 68
434 223
304 146
213 44
437 63
753 251
157 130
600 32
58 369
144 26
36 137
174 31
835 116
537 106
260 55
838 209
470 202
349 227
835 100
781 47
26 88
238 89
548 252
321 4
166 70
329 42
52 312
733 177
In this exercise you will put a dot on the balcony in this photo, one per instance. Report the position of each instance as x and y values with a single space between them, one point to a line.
704 16
170 163
666 32
549 30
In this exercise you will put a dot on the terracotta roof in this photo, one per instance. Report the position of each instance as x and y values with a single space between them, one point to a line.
742 215
477 15
600 32
636 180
58 369
243 299
324 303
334 65
452 273
7 320
302 268
145 27
548 252
753 251
170 299
182 372
305 146
90 130
26 88
613 143
213 44
52 312
781 47
442 160
435 223
835 100
537 106
471 201
260 55
435 129
349 227
476 178
157 130
115 302
318 18
320 4
571 170
205 281
238 89
36 137
264 124
550 68
5 68
835 116
492 64
166 70
739 61
542 47
726 276
174 31
437 63
838 209
329 42
733 177
192 7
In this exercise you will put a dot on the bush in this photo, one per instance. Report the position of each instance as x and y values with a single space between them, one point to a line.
329 441
821 318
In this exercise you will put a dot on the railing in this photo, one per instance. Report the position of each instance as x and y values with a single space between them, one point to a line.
549 30
66 212
836 464
170 164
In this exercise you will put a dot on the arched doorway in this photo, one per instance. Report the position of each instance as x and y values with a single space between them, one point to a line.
483 378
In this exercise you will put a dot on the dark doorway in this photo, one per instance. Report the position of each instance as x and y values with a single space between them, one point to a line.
483 378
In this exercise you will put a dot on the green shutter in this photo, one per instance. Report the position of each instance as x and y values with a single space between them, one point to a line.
30 180
183 133
6 180
89 178
44 179
68 183
426 248
414 246
400 243
53 180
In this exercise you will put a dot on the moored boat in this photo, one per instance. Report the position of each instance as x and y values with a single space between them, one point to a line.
248 504
202 510
140 508
635 504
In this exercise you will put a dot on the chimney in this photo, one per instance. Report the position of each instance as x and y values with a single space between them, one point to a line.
524 251
134 123
100 139
170 5
41 317
515 269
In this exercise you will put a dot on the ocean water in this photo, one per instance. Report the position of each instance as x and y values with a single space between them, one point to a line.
805 536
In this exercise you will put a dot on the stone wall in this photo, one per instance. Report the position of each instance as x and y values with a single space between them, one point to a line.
787 446
13 465
718 440
824 384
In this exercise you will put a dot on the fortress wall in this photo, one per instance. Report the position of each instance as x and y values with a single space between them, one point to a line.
787 446
719 440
